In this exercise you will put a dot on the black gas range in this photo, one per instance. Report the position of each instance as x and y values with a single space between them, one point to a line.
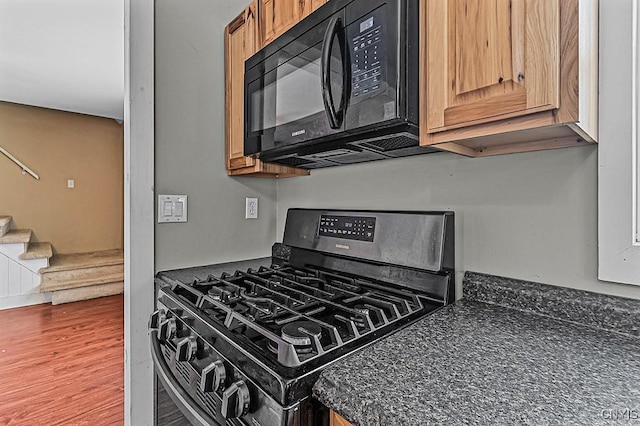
245 347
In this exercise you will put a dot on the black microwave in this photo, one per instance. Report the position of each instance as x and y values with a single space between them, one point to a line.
340 87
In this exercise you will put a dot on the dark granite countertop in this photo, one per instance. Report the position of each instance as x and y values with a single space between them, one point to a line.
510 352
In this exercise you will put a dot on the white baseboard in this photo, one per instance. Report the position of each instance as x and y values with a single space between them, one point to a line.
11 302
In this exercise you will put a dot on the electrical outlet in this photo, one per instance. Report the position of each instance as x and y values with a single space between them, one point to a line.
251 210
71 183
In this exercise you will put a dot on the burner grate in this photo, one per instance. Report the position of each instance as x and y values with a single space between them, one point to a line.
295 315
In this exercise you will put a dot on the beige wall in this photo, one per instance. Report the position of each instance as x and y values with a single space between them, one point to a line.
60 146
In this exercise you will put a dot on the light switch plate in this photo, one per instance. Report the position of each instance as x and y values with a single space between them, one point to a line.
172 208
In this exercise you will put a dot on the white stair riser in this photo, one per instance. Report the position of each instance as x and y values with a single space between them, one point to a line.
13 251
16 280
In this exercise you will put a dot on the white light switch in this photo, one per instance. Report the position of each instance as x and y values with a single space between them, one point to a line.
179 208
71 183
168 209
172 208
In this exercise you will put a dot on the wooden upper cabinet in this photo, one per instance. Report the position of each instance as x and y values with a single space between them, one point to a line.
242 41
491 58
277 16
494 67
305 7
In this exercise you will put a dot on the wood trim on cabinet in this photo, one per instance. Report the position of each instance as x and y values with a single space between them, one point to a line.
336 419
245 26
577 99
262 169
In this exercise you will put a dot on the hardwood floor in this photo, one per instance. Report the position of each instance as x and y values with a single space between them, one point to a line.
64 364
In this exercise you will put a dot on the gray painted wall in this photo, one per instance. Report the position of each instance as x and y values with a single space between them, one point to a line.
189 158
529 216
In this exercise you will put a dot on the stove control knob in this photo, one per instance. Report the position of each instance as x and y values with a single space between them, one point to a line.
186 349
213 377
156 319
167 329
236 400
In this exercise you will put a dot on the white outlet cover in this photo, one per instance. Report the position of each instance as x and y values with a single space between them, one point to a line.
172 208
71 183
251 208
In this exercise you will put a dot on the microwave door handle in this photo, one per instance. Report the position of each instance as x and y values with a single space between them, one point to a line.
335 119
346 74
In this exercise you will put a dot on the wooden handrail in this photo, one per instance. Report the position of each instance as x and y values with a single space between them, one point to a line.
20 164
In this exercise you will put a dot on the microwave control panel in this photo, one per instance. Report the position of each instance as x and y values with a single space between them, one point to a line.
367 53
348 227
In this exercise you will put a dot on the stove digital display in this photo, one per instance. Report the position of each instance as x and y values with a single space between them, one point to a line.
347 227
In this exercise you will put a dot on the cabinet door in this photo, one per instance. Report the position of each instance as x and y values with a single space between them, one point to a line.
490 59
305 7
276 16
240 43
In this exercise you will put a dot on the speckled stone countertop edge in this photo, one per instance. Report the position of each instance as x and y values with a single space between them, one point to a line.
595 310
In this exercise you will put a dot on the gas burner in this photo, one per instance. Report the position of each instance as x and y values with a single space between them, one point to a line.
272 346
300 334
226 294
261 311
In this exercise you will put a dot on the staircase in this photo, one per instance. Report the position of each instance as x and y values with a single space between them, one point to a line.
31 274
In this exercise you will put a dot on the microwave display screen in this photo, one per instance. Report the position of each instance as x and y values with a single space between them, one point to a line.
367 52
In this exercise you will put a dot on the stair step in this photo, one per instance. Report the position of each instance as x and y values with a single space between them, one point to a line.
37 251
64 280
68 262
86 293
5 223
16 236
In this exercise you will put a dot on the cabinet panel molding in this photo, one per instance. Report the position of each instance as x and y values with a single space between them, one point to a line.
498 67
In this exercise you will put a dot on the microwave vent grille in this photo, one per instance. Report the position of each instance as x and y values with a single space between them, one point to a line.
391 144
357 157
294 161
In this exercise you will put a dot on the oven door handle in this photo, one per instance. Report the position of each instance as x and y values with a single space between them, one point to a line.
334 29
189 408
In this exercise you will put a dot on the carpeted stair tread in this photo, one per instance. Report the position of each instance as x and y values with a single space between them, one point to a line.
85 293
5 220
82 281
5 224
37 251
68 262
16 236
